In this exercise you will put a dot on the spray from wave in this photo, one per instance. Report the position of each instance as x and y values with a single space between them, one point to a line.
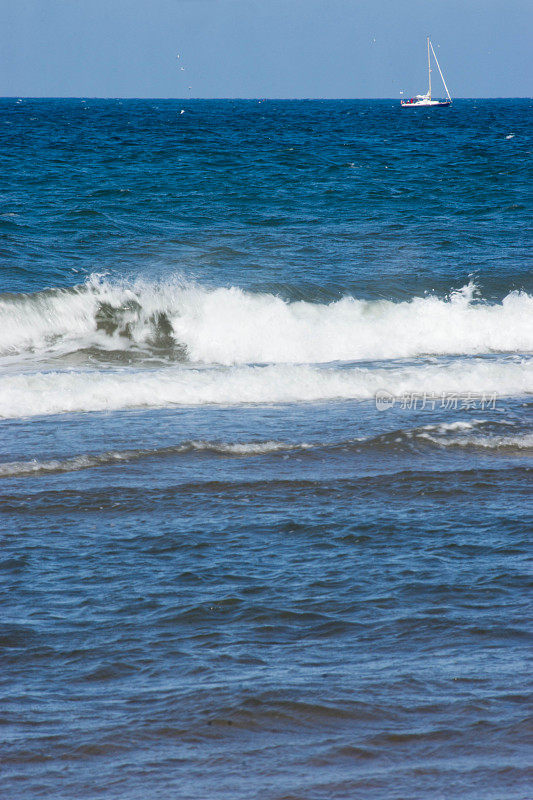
230 326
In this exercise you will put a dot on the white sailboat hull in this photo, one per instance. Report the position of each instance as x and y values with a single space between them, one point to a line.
425 103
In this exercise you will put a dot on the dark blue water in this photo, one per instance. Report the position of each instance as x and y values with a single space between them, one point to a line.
266 450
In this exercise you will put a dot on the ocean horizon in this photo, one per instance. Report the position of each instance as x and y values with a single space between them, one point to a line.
248 99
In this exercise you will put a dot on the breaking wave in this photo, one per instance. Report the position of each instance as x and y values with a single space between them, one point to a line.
230 326
29 394
107 346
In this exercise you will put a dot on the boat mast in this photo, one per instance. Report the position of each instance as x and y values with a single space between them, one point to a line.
429 72
440 71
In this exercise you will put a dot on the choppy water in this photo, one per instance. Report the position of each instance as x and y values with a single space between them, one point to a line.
265 410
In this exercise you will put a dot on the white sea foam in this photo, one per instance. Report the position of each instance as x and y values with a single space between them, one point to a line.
236 332
445 427
84 461
28 394
522 441
231 326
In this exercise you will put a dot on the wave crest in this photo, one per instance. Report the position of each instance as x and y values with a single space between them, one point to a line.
231 326
474 434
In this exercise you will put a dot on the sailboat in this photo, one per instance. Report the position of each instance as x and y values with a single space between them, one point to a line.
424 100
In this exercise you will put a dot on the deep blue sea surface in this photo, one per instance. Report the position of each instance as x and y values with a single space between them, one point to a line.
266 387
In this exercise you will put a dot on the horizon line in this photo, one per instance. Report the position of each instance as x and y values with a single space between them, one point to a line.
230 98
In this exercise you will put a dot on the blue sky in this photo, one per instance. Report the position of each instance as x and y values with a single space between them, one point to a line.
273 48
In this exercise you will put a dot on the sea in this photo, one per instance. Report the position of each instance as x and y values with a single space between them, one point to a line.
266 445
